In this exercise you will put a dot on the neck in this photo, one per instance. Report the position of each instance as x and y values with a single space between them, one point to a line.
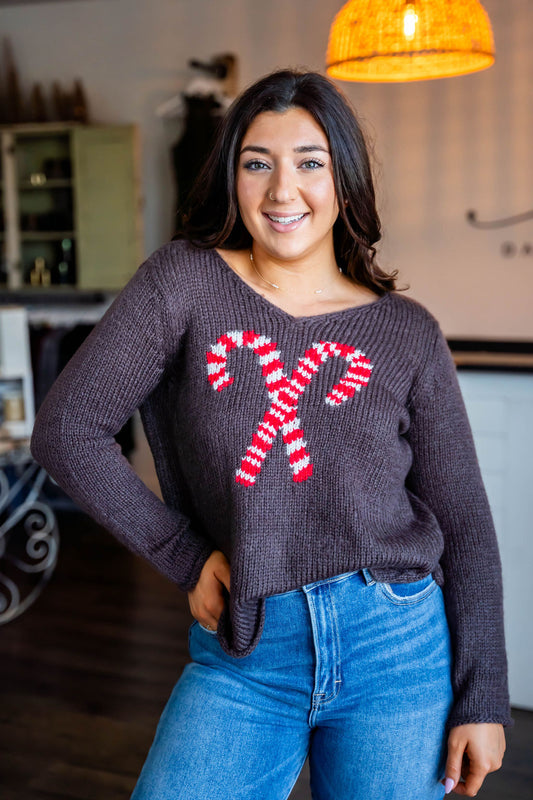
299 276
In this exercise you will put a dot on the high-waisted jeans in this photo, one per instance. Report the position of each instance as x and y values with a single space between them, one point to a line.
352 673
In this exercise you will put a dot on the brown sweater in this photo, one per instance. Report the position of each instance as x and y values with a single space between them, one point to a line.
301 447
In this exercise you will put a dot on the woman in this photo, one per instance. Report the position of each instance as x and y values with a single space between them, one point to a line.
319 478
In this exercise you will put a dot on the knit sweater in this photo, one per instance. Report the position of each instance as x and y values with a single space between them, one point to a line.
301 447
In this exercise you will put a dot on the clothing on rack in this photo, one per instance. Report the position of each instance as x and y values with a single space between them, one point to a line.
51 349
190 152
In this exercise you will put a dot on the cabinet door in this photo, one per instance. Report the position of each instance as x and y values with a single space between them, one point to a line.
500 408
106 206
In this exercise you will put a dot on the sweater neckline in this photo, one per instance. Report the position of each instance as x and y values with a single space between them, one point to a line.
247 289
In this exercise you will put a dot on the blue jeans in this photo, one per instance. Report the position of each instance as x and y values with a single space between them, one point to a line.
352 673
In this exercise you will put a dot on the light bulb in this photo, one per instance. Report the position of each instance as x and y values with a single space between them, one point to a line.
410 18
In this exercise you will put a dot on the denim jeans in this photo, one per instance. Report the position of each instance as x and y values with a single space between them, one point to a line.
352 673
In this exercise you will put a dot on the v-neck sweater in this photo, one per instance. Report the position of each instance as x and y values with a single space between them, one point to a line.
301 447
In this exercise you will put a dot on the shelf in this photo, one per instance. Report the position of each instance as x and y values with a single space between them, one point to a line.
51 295
50 183
40 128
46 236
11 376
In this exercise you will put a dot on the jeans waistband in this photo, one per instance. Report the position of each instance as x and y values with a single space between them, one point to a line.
364 573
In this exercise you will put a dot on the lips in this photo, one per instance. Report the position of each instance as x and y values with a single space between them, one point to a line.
285 223
285 219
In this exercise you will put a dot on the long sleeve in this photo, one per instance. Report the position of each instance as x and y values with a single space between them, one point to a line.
445 474
116 368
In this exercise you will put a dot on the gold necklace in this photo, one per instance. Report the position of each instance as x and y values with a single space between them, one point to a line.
275 285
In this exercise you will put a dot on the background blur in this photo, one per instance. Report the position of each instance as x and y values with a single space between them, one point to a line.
443 147
86 670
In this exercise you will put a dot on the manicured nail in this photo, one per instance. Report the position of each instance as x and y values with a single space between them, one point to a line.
449 783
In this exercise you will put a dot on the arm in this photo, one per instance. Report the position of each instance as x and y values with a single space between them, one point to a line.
115 369
445 474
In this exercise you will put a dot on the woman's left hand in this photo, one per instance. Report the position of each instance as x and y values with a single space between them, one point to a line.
473 751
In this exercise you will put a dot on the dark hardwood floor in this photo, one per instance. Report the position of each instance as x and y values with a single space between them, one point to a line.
86 671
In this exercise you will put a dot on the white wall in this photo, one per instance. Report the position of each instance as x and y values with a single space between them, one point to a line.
443 146
133 54
500 407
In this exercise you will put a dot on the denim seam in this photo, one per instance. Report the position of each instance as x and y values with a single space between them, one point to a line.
337 664
333 655
407 600
332 623
335 579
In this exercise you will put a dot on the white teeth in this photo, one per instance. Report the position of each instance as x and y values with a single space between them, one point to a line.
285 220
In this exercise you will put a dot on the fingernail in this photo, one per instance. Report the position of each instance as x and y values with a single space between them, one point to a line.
449 783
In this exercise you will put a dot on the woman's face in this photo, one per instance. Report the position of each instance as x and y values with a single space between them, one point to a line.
285 187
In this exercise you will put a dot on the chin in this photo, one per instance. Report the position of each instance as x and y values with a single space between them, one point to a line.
286 250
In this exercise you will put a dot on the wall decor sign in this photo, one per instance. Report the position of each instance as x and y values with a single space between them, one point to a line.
509 248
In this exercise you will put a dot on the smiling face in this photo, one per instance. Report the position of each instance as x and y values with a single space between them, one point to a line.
285 187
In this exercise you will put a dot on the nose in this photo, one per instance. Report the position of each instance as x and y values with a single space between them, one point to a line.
283 187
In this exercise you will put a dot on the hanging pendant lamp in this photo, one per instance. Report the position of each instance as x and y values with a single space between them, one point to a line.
395 40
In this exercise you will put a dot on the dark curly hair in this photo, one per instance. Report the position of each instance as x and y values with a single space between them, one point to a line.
210 216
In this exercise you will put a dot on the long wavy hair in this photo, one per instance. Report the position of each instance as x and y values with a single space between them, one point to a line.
210 216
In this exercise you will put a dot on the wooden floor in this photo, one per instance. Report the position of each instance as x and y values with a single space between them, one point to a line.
85 673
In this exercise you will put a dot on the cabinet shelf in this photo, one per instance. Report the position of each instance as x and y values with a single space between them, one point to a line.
42 236
46 236
105 230
50 183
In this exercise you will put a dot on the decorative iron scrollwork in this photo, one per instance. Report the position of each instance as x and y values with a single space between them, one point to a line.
29 539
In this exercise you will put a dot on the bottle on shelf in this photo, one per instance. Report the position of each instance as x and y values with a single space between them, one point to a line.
80 112
40 275
64 272
38 104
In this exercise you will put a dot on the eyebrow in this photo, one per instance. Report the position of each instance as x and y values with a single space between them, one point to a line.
304 148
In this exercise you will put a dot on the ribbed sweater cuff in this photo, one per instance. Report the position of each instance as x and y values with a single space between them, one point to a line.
191 562
485 699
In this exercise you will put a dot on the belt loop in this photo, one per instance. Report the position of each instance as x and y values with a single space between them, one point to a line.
369 580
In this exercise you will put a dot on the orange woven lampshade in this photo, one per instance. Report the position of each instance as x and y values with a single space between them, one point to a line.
395 40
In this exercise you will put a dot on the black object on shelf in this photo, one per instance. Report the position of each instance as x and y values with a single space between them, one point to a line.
57 168
48 221
40 296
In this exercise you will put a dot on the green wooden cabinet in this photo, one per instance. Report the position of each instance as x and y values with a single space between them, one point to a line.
71 212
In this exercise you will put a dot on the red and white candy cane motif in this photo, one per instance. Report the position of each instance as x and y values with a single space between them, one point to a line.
284 393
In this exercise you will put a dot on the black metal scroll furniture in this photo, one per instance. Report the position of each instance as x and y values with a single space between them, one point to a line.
29 538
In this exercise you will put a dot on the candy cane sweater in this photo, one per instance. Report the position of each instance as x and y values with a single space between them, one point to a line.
301 447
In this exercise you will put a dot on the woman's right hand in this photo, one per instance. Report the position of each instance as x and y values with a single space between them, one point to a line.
206 600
